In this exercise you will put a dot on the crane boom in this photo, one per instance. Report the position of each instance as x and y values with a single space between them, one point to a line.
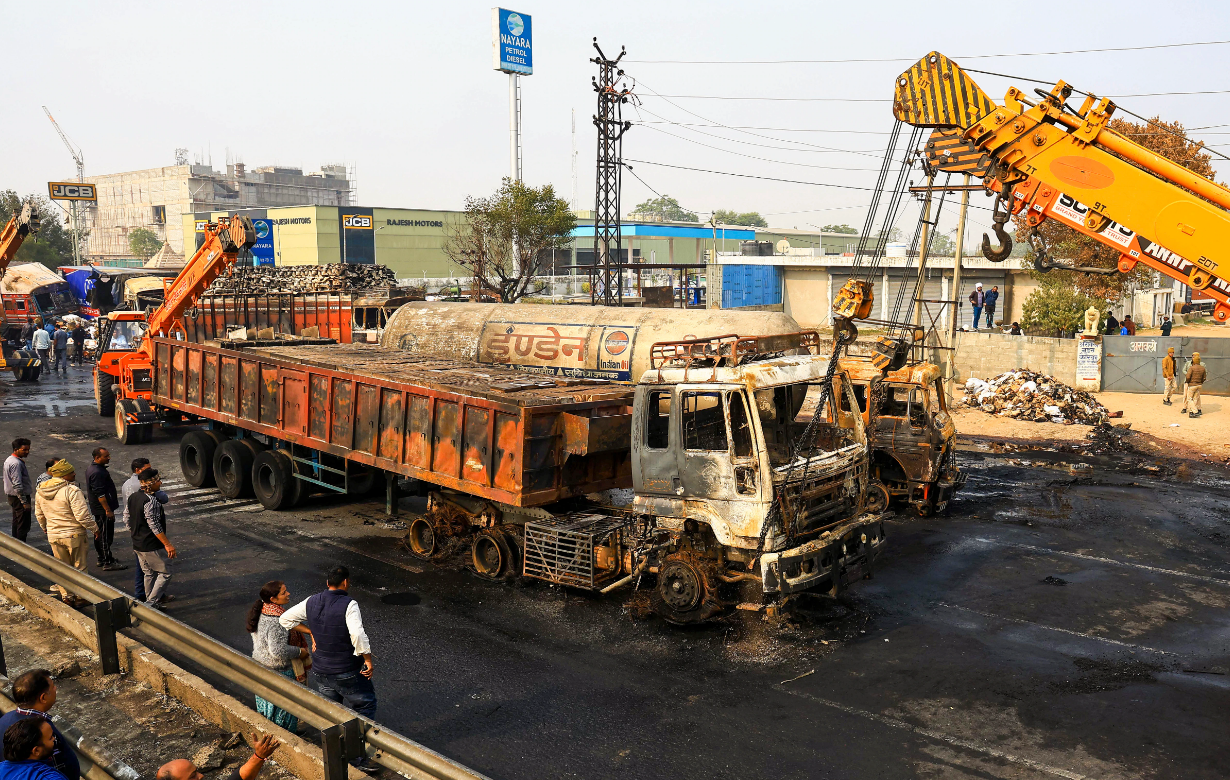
21 225
76 153
1053 161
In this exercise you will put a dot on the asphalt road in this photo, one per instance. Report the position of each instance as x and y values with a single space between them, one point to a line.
1053 624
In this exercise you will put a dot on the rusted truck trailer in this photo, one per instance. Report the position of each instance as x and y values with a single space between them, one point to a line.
737 497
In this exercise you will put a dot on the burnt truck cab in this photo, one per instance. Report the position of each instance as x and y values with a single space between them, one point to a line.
912 435
32 290
718 455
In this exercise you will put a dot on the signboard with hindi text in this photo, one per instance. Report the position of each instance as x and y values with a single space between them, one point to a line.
564 350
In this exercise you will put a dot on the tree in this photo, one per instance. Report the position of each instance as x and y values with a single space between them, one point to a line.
1065 243
839 229
143 243
52 245
503 239
665 208
746 219
1058 305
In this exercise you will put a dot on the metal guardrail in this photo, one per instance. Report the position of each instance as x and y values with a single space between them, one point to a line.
96 762
345 734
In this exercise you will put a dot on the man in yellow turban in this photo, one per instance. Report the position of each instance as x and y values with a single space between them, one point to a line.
61 509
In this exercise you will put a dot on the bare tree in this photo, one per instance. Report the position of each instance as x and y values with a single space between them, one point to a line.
502 239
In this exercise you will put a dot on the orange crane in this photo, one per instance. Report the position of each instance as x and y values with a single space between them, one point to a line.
129 375
1048 160
24 364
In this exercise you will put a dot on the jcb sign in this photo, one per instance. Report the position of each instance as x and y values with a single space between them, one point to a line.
71 190
357 221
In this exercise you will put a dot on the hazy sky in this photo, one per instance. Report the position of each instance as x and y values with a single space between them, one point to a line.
406 90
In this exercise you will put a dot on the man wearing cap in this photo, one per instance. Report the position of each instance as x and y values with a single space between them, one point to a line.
154 550
977 299
1168 375
1196 374
64 514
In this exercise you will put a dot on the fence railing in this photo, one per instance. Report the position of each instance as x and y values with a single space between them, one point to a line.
345 734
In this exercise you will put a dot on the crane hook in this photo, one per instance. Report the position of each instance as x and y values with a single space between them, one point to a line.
999 217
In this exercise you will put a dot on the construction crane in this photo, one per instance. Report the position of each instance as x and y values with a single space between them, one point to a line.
76 153
1048 160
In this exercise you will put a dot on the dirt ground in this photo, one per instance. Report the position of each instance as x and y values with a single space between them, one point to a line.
1206 437
1199 328
136 724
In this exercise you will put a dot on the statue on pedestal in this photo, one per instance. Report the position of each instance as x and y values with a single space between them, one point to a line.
1092 318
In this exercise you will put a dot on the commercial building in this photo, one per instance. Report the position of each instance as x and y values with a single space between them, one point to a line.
160 200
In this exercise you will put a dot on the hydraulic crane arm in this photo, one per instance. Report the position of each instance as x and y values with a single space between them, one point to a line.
223 242
22 224
1075 158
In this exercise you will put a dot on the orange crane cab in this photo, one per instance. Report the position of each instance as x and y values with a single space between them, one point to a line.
24 364
124 373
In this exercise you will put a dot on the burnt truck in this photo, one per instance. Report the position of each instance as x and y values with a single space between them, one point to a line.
734 473
912 436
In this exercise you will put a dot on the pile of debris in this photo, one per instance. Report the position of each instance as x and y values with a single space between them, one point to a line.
331 278
1029 395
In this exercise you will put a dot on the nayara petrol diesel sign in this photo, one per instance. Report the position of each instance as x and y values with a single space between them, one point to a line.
512 41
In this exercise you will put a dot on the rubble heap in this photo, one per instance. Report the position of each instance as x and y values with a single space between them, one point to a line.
331 278
1029 395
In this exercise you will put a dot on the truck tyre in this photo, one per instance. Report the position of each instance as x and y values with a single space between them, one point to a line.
127 433
104 396
491 555
877 497
273 479
196 457
421 538
233 468
685 592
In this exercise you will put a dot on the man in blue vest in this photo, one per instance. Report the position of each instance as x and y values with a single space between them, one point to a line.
341 654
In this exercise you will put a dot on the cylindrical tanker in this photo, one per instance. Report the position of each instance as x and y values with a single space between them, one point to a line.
599 342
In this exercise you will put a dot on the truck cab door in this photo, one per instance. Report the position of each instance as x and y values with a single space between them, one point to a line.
901 424
655 470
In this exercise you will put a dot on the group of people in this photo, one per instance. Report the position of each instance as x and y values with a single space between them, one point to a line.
34 749
1127 327
70 516
1193 381
984 302
323 633
51 342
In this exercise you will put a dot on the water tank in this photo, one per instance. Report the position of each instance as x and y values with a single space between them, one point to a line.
895 249
605 342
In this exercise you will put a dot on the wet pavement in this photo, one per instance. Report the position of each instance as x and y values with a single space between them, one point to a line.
1066 618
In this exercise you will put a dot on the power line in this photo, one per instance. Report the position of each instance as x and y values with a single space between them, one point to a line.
814 148
776 129
785 99
750 176
754 157
898 59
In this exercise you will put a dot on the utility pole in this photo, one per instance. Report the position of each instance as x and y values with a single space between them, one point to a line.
611 128
574 159
922 251
950 370
76 153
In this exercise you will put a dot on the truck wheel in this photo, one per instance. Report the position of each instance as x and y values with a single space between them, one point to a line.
273 479
878 497
196 457
421 538
491 556
233 468
126 432
684 594
104 396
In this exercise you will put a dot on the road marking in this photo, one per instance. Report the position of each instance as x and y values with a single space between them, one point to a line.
1082 556
1116 642
932 734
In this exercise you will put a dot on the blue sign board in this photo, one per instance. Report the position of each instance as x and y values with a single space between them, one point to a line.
513 41
262 250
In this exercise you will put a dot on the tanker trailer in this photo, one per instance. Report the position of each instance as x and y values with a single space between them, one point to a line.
595 342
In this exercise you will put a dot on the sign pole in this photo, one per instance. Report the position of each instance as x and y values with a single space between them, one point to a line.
514 124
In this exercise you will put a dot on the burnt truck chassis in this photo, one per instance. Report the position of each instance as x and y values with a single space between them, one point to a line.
516 464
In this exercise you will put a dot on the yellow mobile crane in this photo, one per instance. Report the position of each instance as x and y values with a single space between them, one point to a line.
24 364
1048 160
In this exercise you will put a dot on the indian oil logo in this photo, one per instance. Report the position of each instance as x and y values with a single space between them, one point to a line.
616 342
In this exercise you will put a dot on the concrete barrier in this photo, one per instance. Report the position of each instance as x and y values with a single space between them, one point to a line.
297 755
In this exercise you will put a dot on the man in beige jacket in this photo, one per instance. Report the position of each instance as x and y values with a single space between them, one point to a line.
64 514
